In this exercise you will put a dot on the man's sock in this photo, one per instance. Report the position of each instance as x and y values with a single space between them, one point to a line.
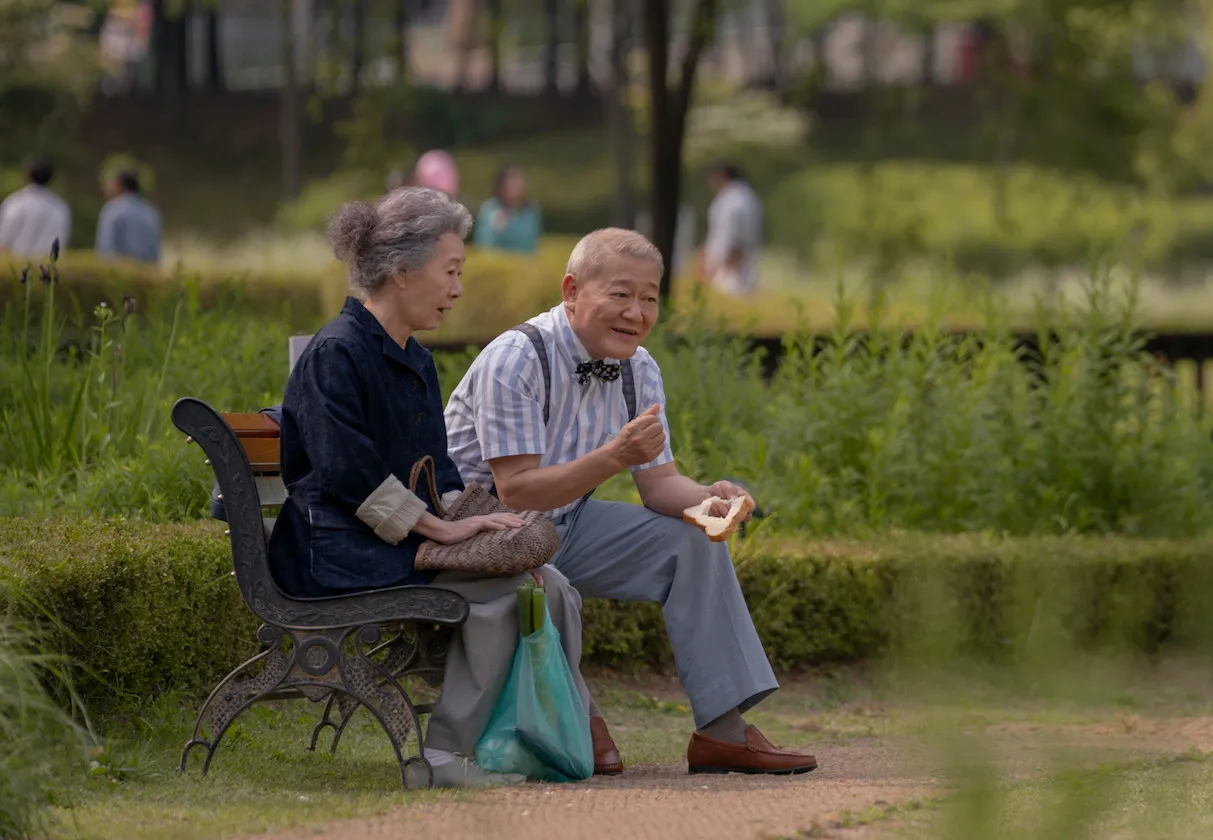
729 727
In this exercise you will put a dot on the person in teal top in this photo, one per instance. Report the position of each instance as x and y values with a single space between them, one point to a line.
509 221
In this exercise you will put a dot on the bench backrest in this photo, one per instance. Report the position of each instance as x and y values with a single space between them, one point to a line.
240 460
228 452
259 436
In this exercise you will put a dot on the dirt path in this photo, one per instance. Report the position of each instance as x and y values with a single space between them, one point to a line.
664 803
661 803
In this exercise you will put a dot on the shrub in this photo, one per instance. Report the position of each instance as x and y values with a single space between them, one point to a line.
136 605
980 218
145 609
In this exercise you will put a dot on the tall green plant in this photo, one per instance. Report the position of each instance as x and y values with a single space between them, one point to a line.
68 407
37 738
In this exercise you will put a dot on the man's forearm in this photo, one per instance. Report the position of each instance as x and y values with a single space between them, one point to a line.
548 488
674 494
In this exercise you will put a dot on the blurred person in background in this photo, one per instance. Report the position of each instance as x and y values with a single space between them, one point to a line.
129 225
437 170
729 260
33 217
509 221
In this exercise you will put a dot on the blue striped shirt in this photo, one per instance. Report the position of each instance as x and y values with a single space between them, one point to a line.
497 409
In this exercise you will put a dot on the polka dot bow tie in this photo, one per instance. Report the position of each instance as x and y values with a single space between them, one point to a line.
605 371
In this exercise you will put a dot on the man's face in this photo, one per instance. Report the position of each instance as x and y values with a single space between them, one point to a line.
614 310
717 181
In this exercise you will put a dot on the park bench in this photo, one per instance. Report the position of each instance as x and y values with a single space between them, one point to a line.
347 652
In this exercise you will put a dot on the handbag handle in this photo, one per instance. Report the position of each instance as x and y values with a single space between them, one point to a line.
425 464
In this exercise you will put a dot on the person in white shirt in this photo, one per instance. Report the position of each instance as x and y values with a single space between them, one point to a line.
33 217
729 261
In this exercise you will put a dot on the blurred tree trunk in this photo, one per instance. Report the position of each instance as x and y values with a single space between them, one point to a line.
619 116
551 53
776 35
170 63
496 31
667 111
288 106
929 51
214 50
358 47
581 36
181 49
401 28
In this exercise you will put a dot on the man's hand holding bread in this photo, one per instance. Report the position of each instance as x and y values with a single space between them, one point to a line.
727 505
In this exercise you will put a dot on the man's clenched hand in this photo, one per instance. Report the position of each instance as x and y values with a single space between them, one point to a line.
641 440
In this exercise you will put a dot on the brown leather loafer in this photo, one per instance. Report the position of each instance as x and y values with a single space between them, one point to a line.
756 755
606 756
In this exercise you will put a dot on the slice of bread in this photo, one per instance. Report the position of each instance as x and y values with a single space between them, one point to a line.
719 528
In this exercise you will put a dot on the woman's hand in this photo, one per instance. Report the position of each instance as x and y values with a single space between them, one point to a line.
464 529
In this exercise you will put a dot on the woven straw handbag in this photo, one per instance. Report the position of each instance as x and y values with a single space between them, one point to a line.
490 553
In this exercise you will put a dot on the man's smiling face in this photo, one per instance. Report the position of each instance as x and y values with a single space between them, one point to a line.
614 310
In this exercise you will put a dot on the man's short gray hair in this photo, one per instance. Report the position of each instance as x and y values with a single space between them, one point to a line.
397 233
597 247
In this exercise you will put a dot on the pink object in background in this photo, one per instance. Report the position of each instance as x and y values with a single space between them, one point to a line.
437 169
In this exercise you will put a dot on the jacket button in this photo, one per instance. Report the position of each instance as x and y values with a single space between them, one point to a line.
420 419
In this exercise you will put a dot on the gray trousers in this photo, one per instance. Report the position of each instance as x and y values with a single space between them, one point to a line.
627 552
620 552
482 652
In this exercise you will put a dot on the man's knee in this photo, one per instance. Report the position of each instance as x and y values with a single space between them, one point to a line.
699 547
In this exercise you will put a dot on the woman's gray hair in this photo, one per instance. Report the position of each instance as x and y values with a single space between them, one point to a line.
397 233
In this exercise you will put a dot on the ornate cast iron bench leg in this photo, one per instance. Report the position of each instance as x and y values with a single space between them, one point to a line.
232 695
345 707
413 650
320 661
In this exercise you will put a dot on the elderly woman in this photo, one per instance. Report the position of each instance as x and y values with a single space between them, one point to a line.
361 406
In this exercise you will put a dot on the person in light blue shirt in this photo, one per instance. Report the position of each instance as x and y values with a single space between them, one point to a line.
129 225
509 221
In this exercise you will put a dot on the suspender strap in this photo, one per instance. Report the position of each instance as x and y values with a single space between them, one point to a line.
629 388
531 332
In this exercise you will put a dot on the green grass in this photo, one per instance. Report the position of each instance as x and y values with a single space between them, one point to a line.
39 739
1012 761
264 779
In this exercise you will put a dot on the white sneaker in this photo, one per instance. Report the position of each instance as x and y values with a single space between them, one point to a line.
466 773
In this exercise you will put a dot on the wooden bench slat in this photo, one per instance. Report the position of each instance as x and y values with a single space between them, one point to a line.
252 425
262 455
258 434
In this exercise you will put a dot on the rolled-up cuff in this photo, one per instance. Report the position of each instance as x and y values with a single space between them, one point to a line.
392 510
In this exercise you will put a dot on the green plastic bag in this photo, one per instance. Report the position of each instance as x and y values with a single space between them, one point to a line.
540 727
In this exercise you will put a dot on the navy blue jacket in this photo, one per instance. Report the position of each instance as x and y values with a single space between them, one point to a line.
358 408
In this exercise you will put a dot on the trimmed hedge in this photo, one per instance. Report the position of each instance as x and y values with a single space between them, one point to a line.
501 289
142 608
148 608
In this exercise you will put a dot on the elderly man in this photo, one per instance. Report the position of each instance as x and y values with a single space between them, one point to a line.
548 412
